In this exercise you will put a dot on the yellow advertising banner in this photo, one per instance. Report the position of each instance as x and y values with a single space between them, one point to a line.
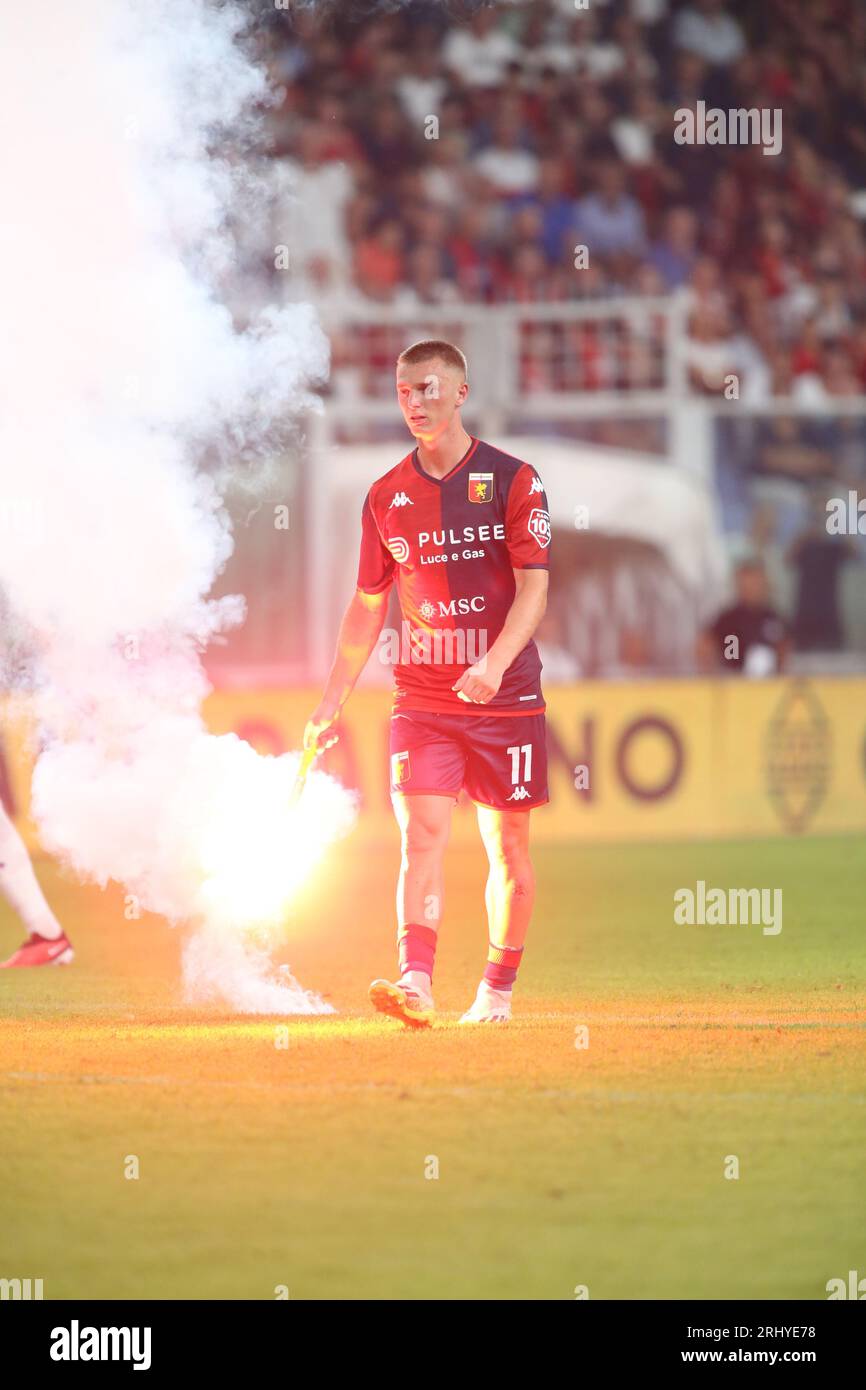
654 760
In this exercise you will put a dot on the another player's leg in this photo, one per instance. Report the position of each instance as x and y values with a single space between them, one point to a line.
509 897
425 822
47 943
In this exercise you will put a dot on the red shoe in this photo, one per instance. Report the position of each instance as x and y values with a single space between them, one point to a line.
41 950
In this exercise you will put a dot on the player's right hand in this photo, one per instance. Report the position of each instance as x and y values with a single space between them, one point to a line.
319 731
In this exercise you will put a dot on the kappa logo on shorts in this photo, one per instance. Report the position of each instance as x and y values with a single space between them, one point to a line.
480 487
400 770
519 794
539 526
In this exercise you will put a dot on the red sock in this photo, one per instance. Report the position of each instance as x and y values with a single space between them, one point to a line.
416 946
502 965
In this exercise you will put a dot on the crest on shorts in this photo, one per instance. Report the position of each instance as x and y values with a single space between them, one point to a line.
399 768
480 487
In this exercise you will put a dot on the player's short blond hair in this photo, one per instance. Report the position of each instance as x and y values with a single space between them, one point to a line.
447 352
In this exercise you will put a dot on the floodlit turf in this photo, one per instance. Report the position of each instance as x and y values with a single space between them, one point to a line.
558 1165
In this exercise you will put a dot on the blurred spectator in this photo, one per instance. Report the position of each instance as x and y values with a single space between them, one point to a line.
506 163
706 30
556 211
840 379
610 221
311 197
422 88
711 355
818 559
788 447
474 251
428 282
444 178
832 315
585 53
807 353
387 142
675 255
634 132
749 637
379 260
479 53
528 281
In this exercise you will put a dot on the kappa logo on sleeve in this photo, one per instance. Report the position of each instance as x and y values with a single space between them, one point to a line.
539 526
536 485
400 771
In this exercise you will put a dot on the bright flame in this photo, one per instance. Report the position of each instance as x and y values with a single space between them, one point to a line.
255 858
133 402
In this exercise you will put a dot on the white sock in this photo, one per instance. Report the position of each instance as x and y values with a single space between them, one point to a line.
19 884
419 980
489 989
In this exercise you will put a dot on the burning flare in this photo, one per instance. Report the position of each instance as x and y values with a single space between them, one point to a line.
122 370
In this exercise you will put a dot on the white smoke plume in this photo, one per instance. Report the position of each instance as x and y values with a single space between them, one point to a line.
120 370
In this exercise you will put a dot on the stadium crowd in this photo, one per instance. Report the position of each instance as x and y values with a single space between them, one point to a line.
430 154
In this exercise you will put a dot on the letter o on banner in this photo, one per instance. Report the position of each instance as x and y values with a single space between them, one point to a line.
649 723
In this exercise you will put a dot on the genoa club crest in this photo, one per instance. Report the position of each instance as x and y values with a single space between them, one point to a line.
399 768
480 487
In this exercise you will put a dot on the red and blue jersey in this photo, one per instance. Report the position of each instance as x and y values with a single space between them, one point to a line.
452 545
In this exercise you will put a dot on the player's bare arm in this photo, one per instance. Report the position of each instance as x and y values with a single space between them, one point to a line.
480 682
359 631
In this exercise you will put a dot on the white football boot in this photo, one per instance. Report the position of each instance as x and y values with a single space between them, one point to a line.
490 1006
408 999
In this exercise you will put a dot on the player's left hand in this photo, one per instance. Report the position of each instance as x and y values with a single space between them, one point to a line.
479 683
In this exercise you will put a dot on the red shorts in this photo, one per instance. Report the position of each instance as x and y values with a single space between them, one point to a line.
500 760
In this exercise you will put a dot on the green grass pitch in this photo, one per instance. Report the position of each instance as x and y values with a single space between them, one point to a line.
558 1165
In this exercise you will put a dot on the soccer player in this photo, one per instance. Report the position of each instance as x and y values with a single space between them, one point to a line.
47 943
464 531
